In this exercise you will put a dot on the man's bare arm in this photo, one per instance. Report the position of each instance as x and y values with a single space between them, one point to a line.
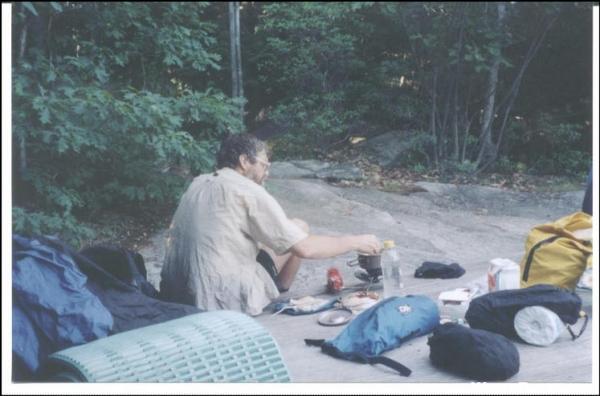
322 246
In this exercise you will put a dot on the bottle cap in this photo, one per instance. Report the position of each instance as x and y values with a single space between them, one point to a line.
387 244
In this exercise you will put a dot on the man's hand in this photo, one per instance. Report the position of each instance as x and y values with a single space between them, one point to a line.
368 244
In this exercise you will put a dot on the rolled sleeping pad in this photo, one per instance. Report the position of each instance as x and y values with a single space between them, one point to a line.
537 325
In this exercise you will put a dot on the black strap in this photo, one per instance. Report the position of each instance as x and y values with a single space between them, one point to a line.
312 342
133 268
532 251
586 318
399 367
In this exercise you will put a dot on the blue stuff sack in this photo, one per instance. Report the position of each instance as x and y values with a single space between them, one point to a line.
384 326
52 307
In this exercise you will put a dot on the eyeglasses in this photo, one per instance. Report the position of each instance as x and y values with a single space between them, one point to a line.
266 164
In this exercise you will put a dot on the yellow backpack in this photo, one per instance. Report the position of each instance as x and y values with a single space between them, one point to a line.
557 253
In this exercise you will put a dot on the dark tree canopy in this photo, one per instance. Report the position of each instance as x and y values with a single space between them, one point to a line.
109 98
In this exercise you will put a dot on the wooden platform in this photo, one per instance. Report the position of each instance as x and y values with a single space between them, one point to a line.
564 361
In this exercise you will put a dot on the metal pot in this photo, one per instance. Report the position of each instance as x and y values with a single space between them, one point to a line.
370 263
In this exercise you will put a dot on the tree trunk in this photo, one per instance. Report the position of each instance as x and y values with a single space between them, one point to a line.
444 124
514 89
467 128
433 118
456 153
466 125
22 140
238 48
237 90
487 146
232 47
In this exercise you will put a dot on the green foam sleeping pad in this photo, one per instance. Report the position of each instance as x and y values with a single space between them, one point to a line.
217 346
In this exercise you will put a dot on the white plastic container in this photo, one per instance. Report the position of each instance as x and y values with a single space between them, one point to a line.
453 304
503 274
392 271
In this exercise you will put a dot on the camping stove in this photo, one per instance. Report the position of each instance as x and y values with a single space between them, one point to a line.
369 276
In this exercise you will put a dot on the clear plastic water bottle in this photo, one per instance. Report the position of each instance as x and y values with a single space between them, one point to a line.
392 271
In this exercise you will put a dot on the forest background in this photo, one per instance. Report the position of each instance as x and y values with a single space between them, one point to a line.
115 105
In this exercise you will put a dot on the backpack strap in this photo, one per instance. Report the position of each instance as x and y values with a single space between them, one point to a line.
533 249
399 367
135 271
582 314
312 342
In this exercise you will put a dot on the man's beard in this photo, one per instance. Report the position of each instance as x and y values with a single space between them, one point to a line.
258 179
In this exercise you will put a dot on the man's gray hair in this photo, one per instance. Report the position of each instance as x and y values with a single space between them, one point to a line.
237 144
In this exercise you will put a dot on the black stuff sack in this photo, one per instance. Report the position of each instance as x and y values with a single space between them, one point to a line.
384 326
476 354
496 311
126 265
431 270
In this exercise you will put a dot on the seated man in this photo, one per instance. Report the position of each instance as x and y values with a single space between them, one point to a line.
225 221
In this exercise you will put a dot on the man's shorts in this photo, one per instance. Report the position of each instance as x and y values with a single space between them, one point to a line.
268 264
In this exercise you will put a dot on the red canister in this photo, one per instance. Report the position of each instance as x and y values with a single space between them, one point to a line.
334 280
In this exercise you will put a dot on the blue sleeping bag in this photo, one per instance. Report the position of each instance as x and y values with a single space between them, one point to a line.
383 327
52 307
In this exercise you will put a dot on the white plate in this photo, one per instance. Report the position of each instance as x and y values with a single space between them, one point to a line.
335 317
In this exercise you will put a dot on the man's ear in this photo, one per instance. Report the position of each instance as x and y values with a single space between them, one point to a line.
244 161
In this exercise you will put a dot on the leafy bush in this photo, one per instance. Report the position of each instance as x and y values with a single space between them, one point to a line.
548 145
67 227
313 116
416 154
307 60
465 166
569 162
507 166
108 102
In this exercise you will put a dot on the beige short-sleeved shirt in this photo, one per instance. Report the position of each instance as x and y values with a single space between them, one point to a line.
210 258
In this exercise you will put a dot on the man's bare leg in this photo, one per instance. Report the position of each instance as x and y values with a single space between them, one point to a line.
287 264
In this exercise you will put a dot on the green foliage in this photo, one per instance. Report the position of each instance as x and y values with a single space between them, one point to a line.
322 68
465 167
416 155
40 223
108 97
107 102
307 61
312 116
550 146
506 166
418 168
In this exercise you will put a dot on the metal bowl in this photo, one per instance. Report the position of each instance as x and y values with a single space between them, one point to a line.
335 317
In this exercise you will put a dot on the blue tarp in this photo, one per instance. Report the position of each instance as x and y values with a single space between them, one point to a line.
52 307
